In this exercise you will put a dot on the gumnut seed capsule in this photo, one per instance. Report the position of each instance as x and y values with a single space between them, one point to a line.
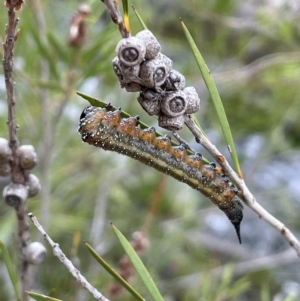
27 156
149 100
5 169
153 73
33 185
35 253
192 99
152 45
132 87
170 123
175 81
174 104
131 51
14 194
5 151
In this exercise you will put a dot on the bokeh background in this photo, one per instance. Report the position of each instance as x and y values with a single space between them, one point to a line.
252 50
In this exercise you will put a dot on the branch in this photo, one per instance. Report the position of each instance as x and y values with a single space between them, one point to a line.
17 174
116 16
245 194
69 265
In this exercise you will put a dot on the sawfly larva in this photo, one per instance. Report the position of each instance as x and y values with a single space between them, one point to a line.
109 131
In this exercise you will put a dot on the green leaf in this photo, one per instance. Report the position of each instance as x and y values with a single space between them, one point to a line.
139 266
11 270
111 271
46 52
126 14
60 48
40 297
213 91
139 17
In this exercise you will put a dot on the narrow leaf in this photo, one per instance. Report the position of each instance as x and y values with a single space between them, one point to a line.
60 48
40 297
139 266
11 270
211 86
111 271
126 15
139 17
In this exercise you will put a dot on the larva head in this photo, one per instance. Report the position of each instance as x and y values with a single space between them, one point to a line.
89 117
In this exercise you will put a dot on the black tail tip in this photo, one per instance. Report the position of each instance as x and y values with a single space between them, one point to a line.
237 229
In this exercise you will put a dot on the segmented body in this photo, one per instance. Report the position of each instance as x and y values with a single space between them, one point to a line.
109 131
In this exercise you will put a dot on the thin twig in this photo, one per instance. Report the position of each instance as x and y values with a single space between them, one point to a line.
116 16
69 265
17 175
245 194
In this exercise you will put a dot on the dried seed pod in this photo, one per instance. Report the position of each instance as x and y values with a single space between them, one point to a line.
132 87
131 51
152 45
174 103
167 61
14 194
33 185
117 68
5 151
192 99
149 100
35 253
153 73
5 170
27 156
128 76
170 123
175 81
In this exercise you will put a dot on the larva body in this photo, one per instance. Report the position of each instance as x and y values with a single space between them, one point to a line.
109 131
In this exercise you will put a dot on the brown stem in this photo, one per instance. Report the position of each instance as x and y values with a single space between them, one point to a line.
116 16
17 175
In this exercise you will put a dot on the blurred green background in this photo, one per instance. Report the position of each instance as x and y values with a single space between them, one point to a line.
252 50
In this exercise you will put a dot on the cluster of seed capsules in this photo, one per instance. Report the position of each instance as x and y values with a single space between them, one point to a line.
15 193
141 67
